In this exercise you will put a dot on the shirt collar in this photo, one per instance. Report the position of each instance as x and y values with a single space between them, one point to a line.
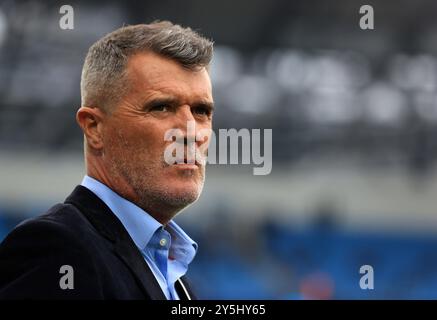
183 248
140 225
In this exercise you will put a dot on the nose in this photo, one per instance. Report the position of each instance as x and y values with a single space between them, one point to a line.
186 122
185 114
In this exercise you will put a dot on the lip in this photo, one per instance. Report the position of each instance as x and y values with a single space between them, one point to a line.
184 161
186 166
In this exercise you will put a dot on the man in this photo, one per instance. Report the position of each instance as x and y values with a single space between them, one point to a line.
113 237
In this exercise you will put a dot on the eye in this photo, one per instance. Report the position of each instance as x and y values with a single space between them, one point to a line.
160 108
203 111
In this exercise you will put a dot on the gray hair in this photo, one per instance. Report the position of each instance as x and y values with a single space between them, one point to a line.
103 80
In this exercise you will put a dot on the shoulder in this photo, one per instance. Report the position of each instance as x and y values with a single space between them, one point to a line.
33 254
57 228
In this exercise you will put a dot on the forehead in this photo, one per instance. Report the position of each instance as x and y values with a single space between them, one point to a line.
150 74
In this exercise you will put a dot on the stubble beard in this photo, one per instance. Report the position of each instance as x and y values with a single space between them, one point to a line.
143 176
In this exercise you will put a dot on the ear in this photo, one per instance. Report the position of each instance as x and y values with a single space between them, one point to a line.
91 122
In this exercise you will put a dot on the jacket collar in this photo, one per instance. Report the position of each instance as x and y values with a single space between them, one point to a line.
110 227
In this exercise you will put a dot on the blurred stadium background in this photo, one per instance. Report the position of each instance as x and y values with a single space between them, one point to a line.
354 119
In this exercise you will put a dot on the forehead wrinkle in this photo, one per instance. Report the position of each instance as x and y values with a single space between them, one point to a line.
169 80
181 95
151 69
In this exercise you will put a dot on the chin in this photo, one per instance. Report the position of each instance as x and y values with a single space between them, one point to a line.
185 189
188 190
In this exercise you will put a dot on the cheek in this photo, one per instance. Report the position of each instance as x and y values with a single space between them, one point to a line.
144 137
146 140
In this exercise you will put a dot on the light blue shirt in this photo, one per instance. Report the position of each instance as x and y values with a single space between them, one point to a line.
167 250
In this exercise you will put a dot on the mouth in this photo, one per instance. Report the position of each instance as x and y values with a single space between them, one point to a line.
187 163
185 166
189 159
192 159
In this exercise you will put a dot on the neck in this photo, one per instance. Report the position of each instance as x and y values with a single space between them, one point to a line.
161 212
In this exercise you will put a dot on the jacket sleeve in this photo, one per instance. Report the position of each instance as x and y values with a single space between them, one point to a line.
43 259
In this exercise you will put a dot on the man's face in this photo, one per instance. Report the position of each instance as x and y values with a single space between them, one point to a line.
162 95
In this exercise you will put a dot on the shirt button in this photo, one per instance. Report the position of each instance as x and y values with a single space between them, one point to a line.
163 242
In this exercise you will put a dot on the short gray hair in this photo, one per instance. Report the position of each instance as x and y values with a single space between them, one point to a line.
103 80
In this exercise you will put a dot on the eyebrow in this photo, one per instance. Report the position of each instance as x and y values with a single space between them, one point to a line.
159 101
206 104
174 101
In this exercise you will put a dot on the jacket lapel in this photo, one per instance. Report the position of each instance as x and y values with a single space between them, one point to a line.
109 226
132 257
183 295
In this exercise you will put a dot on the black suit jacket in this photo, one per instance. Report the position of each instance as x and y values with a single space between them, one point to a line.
82 233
